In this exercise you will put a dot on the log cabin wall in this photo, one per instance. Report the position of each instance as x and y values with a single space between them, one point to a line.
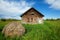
31 17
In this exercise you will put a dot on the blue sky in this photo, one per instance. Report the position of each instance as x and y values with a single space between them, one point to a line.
14 8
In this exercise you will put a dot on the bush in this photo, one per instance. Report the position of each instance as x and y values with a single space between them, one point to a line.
3 19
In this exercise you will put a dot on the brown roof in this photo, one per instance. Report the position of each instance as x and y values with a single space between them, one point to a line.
33 9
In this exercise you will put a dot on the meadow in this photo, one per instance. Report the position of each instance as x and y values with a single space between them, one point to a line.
50 30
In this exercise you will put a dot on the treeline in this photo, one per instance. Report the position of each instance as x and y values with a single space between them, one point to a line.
9 20
53 19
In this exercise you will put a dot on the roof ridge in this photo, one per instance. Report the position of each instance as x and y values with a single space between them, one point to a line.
33 9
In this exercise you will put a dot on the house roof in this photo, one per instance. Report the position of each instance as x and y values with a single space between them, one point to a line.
33 9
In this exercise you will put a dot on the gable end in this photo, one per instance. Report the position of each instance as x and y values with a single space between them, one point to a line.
31 9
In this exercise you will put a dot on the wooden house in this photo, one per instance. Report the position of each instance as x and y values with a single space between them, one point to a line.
32 16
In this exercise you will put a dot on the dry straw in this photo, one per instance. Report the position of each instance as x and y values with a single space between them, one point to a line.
13 29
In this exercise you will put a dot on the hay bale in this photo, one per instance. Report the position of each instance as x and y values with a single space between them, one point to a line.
13 29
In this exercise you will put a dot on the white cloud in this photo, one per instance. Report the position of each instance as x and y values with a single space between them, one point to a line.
13 8
54 4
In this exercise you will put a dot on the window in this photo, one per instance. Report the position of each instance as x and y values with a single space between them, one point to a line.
31 19
27 19
32 13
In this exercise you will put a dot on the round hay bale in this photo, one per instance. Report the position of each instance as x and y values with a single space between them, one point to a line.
13 29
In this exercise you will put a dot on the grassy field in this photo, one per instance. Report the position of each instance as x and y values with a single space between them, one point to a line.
50 30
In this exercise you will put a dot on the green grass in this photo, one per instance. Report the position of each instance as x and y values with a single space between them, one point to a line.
50 30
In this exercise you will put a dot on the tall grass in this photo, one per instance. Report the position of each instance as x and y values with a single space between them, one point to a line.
50 30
